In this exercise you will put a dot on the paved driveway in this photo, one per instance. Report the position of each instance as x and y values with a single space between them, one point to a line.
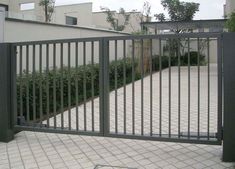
166 111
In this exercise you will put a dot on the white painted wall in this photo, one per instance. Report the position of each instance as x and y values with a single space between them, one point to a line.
35 31
229 7
2 24
83 13
99 20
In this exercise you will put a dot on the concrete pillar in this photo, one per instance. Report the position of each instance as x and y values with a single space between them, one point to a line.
229 97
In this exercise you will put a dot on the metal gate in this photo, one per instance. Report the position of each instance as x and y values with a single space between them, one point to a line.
153 87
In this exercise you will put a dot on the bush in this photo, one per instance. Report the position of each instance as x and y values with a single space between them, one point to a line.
73 75
193 59
174 60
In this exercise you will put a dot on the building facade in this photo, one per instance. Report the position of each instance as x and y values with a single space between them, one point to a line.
229 7
75 14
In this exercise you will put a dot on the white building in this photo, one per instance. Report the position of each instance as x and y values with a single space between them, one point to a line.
229 7
134 23
74 14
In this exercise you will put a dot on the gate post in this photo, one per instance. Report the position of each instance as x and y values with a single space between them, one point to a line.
7 92
229 97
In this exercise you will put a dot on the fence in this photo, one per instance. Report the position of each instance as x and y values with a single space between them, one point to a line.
154 87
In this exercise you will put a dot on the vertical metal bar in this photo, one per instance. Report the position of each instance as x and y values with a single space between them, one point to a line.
104 86
133 87
160 87
76 85
69 84
27 84
151 86
62 84
92 87
142 86
169 65
208 99
47 85
124 85
198 106
84 84
34 95
179 87
13 87
21 81
116 108
40 84
220 86
189 88
54 84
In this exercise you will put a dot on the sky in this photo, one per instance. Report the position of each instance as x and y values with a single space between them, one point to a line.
209 9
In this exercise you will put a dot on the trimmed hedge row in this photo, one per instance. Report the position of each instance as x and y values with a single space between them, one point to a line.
73 76
183 60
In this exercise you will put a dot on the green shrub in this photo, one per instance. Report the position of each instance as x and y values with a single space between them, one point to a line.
74 76
193 59
174 60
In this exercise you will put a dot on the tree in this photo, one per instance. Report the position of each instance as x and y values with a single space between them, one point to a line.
160 17
49 6
142 16
230 24
114 20
178 11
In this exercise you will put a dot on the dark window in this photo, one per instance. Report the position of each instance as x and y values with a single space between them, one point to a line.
4 6
201 30
71 20
216 29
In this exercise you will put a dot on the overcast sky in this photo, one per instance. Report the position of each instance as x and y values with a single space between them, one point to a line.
209 9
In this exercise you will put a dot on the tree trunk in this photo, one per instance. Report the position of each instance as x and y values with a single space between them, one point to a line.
46 13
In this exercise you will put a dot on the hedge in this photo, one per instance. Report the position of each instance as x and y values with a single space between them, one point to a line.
75 76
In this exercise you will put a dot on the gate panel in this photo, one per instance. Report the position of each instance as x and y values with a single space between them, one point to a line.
165 87
58 86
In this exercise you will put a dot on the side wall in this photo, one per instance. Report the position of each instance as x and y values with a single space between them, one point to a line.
34 31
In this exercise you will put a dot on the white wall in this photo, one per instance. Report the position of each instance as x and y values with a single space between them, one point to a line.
99 20
5 2
35 31
229 7
2 24
83 13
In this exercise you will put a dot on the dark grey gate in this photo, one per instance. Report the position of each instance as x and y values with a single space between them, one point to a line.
153 87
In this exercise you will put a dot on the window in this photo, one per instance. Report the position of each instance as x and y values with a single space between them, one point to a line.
4 6
200 29
26 6
71 20
218 29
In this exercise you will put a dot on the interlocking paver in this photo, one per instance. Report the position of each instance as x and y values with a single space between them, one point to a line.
52 151
160 157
